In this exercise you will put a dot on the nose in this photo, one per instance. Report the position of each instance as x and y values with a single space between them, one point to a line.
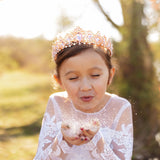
85 84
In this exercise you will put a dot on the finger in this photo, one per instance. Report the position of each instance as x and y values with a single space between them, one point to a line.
70 138
77 140
87 133
90 132
82 140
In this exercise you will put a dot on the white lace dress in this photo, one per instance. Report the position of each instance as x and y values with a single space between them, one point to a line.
113 141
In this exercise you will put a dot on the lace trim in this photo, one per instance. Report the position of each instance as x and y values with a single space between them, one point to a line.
48 132
124 138
114 125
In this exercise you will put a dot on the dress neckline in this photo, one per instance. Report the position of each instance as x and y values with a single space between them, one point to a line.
93 113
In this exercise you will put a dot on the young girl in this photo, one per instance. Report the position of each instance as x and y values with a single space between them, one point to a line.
85 122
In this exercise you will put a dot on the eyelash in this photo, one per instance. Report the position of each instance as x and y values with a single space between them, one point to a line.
73 78
94 75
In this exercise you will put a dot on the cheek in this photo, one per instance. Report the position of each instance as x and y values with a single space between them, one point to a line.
102 83
71 88
102 87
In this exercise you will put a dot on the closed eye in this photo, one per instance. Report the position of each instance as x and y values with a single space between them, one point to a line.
73 78
95 75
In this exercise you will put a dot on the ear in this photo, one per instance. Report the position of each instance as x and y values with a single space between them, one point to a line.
112 73
57 79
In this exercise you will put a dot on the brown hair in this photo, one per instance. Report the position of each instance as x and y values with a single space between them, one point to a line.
77 49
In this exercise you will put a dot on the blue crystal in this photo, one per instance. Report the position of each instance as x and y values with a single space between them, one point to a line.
79 37
68 39
97 39
89 36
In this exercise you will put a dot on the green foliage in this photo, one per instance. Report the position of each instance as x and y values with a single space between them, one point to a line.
6 61
32 54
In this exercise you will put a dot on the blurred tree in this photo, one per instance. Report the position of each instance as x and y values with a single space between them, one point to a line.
137 76
18 53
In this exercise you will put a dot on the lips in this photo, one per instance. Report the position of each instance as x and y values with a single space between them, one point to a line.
86 98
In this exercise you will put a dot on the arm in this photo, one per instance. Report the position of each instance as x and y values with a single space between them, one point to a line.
117 143
122 143
48 139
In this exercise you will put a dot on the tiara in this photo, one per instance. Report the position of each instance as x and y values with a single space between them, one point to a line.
80 36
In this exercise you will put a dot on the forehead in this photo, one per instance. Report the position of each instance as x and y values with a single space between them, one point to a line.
85 60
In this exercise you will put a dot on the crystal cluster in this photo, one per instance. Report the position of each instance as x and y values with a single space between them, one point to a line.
79 36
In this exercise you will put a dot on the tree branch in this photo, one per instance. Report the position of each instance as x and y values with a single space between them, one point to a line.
106 15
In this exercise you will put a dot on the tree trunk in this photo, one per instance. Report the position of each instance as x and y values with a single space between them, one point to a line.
137 76
141 83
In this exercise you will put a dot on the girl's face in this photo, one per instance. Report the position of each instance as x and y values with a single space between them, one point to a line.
85 78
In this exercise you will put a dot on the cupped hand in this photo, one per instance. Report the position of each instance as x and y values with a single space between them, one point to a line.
83 137
72 140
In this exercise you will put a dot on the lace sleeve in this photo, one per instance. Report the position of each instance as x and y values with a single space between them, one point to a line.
117 142
49 135
122 143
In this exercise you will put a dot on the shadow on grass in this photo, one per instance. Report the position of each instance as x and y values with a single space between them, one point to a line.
26 130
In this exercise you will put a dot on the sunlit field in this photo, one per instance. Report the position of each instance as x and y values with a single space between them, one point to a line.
23 99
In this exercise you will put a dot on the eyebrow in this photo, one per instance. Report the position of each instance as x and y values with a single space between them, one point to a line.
72 71
69 72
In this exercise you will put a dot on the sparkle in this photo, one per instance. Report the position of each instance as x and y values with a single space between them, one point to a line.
79 36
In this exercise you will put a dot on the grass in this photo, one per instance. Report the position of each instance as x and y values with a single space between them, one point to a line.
23 99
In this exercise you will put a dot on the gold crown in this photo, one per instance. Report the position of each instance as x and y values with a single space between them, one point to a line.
79 36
